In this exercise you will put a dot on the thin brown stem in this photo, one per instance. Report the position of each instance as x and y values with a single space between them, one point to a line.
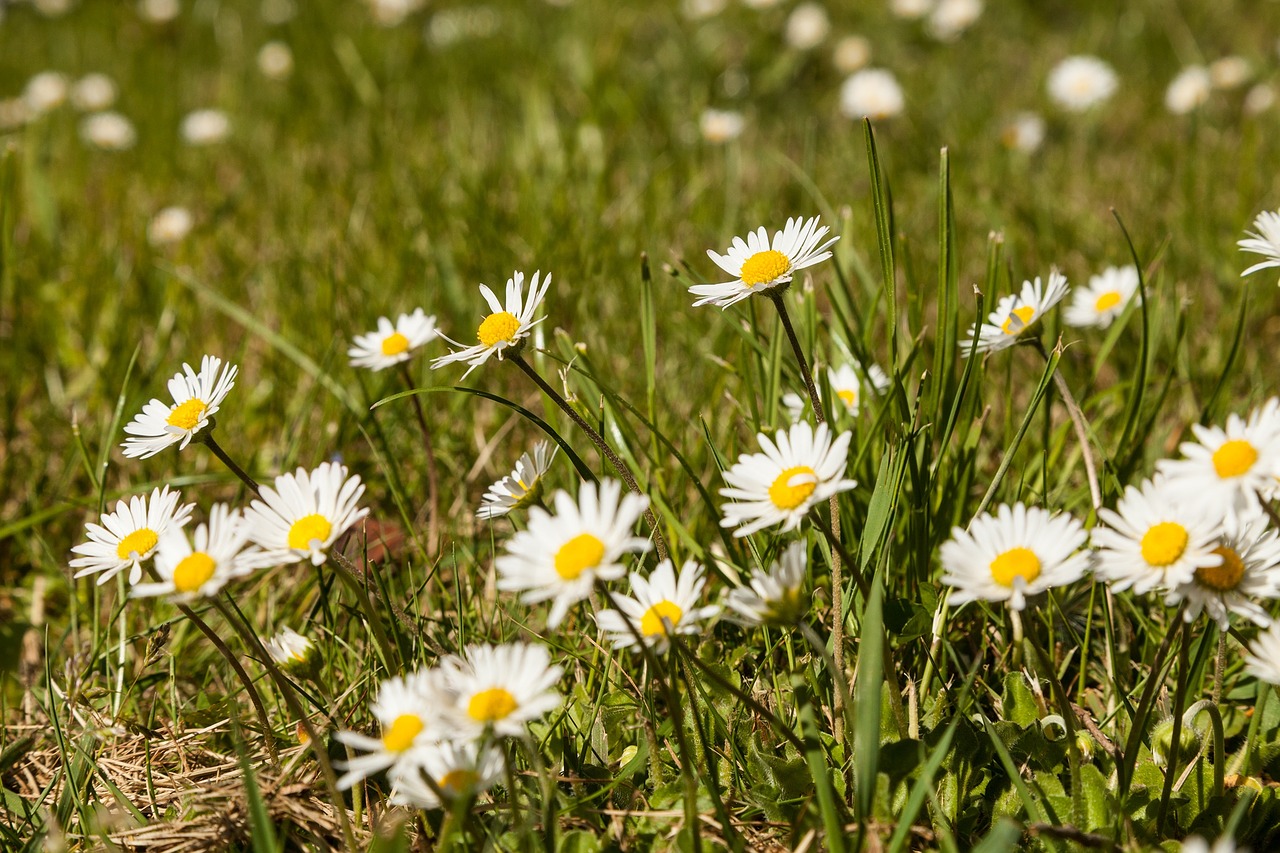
1081 428
433 478
206 438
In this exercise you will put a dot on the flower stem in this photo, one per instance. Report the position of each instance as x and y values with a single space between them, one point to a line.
1081 428
206 438
433 479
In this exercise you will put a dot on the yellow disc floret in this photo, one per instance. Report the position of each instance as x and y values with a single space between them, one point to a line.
849 397
1015 563
787 494
489 706
580 553
139 542
458 781
186 415
655 619
193 572
1163 544
1222 578
308 529
394 344
1107 301
1234 458
764 267
1023 313
403 730
497 328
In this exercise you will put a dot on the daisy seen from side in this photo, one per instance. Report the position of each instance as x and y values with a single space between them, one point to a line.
197 397
758 265
1263 240
505 327
774 597
392 343
129 536
459 769
304 513
847 385
1249 570
501 687
290 649
1262 658
201 566
407 711
522 487
1017 314
1103 299
663 605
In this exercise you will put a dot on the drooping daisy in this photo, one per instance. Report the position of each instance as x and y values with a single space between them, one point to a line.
201 566
205 127
871 93
1079 83
1151 540
290 649
460 769
663 605
1262 658
408 711
506 687
392 344
1250 569
196 398
1103 299
1188 90
847 385
774 597
1263 240
305 514
506 327
522 487
1226 469
758 265
800 468
1017 314
129 537
561 556
1018 552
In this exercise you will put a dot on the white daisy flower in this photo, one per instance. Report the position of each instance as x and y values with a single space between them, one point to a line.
460 769
108 131
852 53
199 568
169 226
506 687
911 10
129 537
699 10
1103 299
1153 541
871 93
1230 72
1188 90
663 605
758 265
290 649
808 26
45 91
774 597
1226 469
391 13
951 18
1079 83
1025 132
14 113
93 93
1197 844
847 385
305 514
196 399
522 487
275 60
505 327
159 11
407 709
561 556
1017 314
1259 99
1263 240
720 126
801 468
1262 658
1018 552
392 344
1249 569
205 127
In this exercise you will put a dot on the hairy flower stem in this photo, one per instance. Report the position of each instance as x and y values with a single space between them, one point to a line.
206 438
433 478
659 543
1081 428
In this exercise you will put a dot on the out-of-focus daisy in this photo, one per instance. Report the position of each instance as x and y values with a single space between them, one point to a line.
199 568
52 8
1259 99
503 687
275 60
1226 468
1079 83
801 468
108 131
14 113
290 649
774 597
196 399
45 91
522 487
1152 541
392 13
93 92
1250 569
561 556
950 18
1024 132
407 709
305 513
460 769
1196 844
871 93
758 265
720 126
1018 552
129 537
663 606
1103 299
462 23
1230 72
847 384
851 54
760 4
911 10
505 327
392 344
159 11
205 127
697 10
1263 240
808 26
1262 658
1188 90
276 12
1017 314
169 226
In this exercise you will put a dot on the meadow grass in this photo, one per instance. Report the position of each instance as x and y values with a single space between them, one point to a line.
392 170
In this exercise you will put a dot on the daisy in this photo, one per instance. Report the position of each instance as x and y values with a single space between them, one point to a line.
1017 314
1188 90
1262 659
1230 72
392 344
1263 240
560 557
459 769
807 26
779 486
662 606
1024 132
1017 552
1103 299
758 265
198 570
45 91
205 127
1249 569
407 710
108 131
93 92
305 513
1078 83
169 226
1259 99
290 649
852 53
159 11
1225 470
720 126
275 60
910 10
503 687
522 487
871 93
128 537
775 597
847 385
1153 541
196 398
506 327
952 17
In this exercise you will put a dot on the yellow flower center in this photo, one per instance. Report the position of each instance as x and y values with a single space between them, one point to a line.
497 328
1015 563
849 396
1163 543
403 730
580 553
764 267
187 415
655 619
394 344
459 781
1107 301
308 529
192 573
1234 458
1226 577
1024 313
489 706
788 495
139 542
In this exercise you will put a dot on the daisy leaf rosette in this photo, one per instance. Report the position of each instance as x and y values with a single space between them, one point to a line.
504 328
407 710
504 687
130 535
197 397
305 513
201 566
758 264
659 607
392 343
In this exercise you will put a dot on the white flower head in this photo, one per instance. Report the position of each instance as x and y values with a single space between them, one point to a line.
1230 72
911 10
290 649
459 769
1188 90
1017 314
1079 83
1197 844
950 18
774 597
305 513
45 91
392 13
1249 570
408 710
275 60
200 567
720 126
503 687
93 92
169 226
1262 659
847 385
663 605
871 93
522 487
1018 552
159 11
196 399
698 10
14 113
129 537
1103 299
758 264
1259 99
808 26
205 127
108 131
1025 132
851 54
394 343
1263 240
505 327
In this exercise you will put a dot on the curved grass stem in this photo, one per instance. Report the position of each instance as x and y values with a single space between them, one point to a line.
433 476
